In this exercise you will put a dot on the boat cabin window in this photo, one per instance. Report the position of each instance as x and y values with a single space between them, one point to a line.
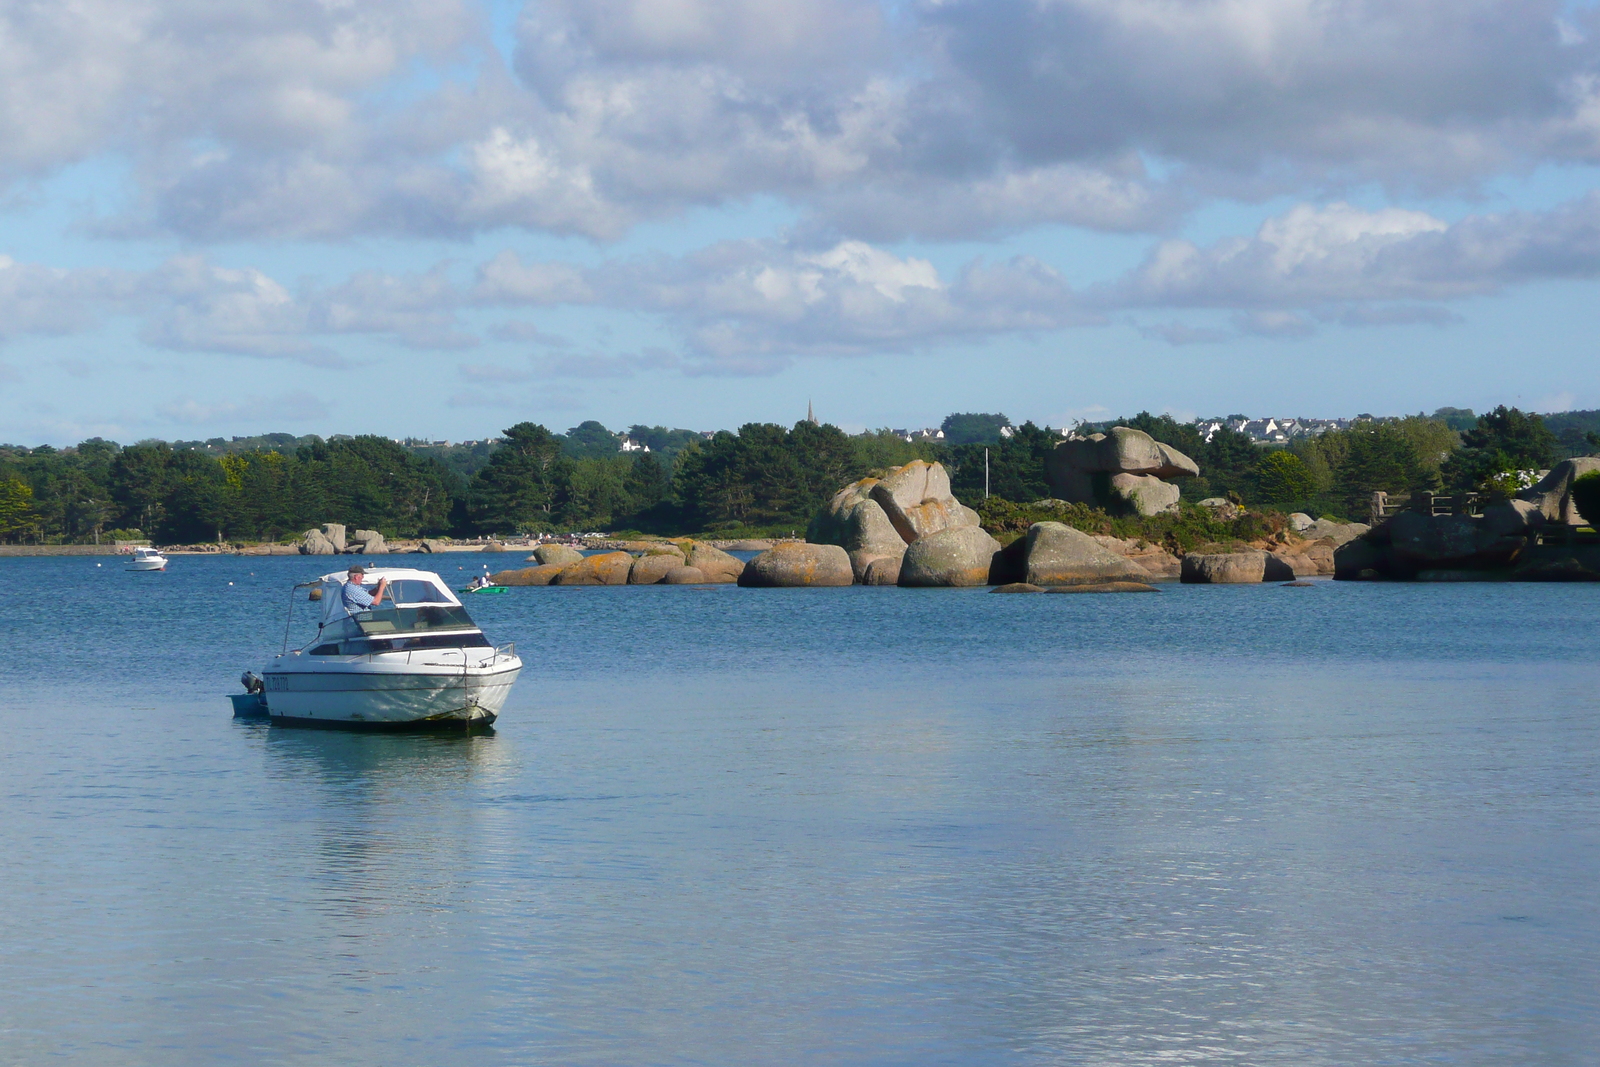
388 619
362 646
414 591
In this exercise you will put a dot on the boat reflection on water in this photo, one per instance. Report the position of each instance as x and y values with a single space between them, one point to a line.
359 821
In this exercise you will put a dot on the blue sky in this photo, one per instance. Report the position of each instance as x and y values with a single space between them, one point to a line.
439 217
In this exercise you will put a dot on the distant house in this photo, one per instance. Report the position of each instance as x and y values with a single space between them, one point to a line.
628 444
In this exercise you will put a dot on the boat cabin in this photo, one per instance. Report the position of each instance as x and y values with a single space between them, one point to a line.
418 611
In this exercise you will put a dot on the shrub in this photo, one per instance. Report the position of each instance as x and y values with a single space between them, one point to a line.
1586 496
1178 531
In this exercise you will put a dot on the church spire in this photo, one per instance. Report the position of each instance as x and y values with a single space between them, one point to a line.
811 416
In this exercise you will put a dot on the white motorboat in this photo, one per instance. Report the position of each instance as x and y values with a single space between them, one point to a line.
416 659
147 559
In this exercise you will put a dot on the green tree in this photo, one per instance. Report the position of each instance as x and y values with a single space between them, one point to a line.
521 487
665 444
1016 466
1227 463
1456 418
1379 457
590 440
973 428
17 516
1504 439
1282 477
139 483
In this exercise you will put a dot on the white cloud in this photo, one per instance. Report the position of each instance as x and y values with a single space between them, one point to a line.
1313 257
943 119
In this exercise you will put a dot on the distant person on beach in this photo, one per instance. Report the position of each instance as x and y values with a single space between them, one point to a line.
354 597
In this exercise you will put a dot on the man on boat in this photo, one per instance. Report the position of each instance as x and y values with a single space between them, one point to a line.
354 597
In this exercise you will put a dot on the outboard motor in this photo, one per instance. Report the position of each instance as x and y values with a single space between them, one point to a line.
252 682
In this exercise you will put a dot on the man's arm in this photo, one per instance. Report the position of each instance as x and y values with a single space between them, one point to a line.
377 594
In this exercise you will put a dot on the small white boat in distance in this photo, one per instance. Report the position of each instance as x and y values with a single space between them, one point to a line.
416 659
147 559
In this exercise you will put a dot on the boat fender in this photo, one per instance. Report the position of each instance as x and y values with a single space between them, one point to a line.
316 594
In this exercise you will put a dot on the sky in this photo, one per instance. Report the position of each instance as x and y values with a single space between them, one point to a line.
435 218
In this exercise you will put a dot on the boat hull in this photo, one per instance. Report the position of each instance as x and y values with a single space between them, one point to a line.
366 692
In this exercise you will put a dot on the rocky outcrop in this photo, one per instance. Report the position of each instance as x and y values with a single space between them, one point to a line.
540 575
1153 558
335 533
715 564
1552 494
433 544
1053 553
653 567
316 543
876 518
1122 466
1234 568
1416 546
917 500
1104 587
1338 532
1145 493
1017 587
561 554
794 564
607 568
958 556
684 576
367 543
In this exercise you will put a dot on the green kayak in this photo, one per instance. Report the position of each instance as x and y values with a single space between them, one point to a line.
481 589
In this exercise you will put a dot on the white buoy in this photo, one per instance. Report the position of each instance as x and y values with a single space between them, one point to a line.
230 583
99 564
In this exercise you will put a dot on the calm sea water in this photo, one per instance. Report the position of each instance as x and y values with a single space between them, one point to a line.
1346 824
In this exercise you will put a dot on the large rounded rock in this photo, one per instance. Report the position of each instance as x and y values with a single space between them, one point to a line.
316 543
1145 493
1226 568
1056 554
715 564
1121 453
960 556
684 576
1552 494
862 559
794 564
653 567
558 554
607 568
541 575
368 543
334 532
915 516
1339 532
885 570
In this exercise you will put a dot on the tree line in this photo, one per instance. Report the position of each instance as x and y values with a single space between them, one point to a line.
763 478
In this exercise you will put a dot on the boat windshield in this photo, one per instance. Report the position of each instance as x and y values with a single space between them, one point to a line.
388 619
